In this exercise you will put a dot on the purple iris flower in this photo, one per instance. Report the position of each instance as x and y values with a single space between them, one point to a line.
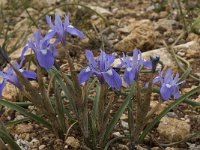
102 68
11 76
132 66
61 29
169 84
151 63
43 49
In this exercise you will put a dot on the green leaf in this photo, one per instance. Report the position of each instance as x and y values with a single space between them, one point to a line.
64 87
9 140
189 137
6 137
14 122
118 114
191 102
25 113
96 101
165 111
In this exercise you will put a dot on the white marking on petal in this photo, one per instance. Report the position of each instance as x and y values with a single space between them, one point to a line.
44 51
109 72
87 69
50 30
1 79
129 69
21 70
70 26
168 85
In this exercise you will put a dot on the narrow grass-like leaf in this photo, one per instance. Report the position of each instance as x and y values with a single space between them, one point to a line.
25 113
114 140
14 122
6 137
191 102
184 140
64 87
9 140
118 114
165 111
23 104
96 101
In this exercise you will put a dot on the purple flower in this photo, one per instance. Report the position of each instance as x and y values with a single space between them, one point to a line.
132 66
61 29
11 76
169 84
102 68
43 49
152 63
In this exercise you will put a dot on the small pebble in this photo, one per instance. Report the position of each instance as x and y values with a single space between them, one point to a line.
181 53
170 40
34 143
71 141
124 124
116 134
42 147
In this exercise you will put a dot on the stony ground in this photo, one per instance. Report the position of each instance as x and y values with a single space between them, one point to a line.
115 26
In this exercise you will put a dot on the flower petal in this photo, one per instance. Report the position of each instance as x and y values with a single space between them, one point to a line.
14 80
84 75
58 21
37 36
66 23
147 63
112 78
129 76
45 60
50 34
23 53
168 75
72 30
176 92
2 85
48 19
90 57
109 60
29 74
165 92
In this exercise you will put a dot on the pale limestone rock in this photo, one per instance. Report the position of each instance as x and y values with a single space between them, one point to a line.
166 57
23 128
9 91
101 10
153 104
3 3
173 129
142 36
71 141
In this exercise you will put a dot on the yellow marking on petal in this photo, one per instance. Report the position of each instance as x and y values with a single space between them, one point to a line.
1 79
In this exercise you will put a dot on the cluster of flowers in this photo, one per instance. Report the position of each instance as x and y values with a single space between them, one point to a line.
102 68
45 52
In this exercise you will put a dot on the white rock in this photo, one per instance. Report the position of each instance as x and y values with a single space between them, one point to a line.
24 145
42 147
34 143
101 10
173 129
124 124
71 141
